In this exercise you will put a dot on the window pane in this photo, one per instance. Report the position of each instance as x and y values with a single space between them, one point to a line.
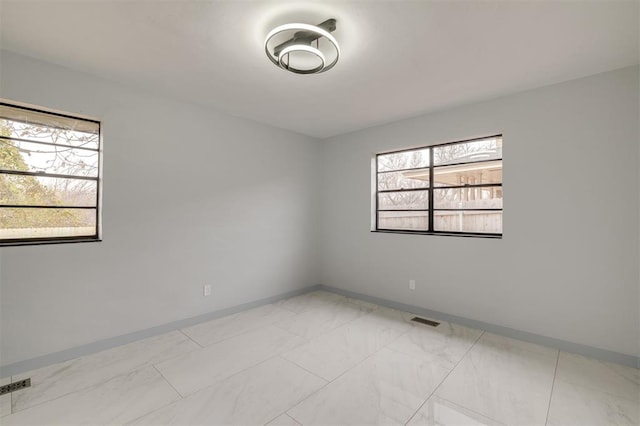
468 221
403 180
479 150
414 221
404 160
487 197
46 223
37 126
468 174
32 157
403 200
47 191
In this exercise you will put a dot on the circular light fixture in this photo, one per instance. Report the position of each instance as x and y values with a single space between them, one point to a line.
303 36
300 48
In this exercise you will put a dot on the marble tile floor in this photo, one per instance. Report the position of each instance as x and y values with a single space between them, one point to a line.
324 359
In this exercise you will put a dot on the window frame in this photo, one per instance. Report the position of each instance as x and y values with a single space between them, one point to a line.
376 208
97 236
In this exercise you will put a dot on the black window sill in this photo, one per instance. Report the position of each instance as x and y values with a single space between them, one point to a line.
35 242
445 234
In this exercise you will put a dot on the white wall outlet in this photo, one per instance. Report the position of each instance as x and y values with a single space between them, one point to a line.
206 290
412 284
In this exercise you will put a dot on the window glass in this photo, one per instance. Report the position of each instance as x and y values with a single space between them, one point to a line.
403 160
467 152
403 200
49 176
461 193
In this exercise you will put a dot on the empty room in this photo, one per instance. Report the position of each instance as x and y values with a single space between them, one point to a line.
275 212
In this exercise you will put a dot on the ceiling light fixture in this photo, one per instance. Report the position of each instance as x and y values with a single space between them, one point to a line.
291 47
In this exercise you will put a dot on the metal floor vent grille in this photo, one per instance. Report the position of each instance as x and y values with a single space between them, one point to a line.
425 321
12 387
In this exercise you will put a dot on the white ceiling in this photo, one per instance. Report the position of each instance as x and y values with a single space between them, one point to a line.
399 58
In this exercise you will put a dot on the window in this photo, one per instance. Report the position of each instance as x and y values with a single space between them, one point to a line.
448 189
49 176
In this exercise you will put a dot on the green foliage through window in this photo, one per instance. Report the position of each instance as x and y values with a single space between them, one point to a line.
48 176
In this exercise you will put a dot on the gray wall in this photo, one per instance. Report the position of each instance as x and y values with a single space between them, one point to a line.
191 196
567 266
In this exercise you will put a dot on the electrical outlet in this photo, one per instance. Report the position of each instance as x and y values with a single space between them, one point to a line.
206 290
412 284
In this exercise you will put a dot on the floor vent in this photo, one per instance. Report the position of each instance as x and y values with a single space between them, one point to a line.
425 321
12 387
